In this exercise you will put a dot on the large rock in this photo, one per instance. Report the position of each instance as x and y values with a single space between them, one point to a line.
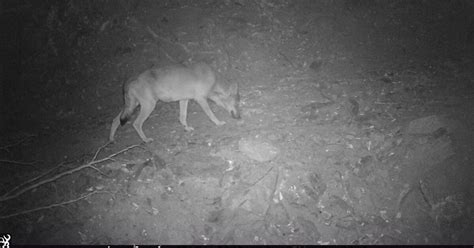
425 125
258 150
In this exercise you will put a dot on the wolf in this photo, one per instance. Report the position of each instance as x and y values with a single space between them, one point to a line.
175 83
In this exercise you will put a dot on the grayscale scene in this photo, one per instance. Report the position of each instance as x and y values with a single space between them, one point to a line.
237 122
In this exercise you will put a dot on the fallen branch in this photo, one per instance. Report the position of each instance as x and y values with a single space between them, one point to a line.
19 142
32 179
7 196
50 206
98 150
16 162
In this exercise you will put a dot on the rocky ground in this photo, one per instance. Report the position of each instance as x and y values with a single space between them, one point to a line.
356 124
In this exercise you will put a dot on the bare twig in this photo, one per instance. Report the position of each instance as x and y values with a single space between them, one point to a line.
104 26
288 60
32 180
16 162
98 150
44 182
272 195
88 165
263 176
156 36
19 142
51 206
167 55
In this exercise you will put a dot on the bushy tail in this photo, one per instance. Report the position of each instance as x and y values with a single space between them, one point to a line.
128 108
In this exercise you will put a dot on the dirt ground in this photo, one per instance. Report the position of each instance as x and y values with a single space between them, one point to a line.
356 123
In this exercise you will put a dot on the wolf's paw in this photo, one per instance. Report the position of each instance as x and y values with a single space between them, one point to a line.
148 140
188 128
220 123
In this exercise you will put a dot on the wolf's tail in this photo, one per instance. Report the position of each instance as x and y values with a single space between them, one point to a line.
128 107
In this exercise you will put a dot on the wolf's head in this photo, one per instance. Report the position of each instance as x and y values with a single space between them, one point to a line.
228 99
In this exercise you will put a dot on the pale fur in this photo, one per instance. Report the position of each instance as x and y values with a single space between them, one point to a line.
175 83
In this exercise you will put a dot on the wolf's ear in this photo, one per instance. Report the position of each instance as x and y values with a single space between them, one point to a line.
234 89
